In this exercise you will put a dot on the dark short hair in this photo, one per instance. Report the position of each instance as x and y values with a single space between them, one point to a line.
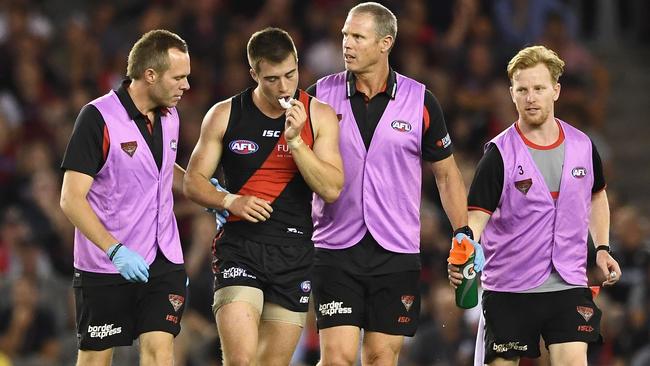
151 52
270 44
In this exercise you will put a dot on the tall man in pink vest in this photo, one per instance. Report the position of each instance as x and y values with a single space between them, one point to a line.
120 169
367 263
537 191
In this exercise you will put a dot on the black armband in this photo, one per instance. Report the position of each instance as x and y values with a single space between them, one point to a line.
117 247
604 247
464 230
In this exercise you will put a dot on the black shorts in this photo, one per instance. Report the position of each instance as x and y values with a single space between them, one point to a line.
114 315
515 321
387 303
282 272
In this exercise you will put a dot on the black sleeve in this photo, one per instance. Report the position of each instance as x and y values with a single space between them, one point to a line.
487 185
311 90
84 152
599 176
436 144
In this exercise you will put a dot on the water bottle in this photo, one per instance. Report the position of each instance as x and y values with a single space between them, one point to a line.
462 256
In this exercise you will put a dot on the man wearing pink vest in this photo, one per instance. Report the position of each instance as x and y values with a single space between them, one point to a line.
367 266
120 169
537 192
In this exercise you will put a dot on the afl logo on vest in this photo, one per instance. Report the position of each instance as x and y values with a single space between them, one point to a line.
579 172
401 126
243 147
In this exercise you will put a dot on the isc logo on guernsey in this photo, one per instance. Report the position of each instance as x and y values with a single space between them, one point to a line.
243 147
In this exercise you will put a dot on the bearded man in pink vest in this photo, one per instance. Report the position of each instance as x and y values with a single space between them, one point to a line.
538 191
120 169
367 262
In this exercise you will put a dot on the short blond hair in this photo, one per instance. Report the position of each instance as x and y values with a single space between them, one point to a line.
531 56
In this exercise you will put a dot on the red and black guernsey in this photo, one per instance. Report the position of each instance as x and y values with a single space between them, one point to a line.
257 161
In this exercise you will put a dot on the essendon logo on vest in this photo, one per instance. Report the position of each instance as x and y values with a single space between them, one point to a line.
524 185
243 147
129 147
401 126
579 172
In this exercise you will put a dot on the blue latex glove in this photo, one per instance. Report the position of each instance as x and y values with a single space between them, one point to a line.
479 257
130 264
221 216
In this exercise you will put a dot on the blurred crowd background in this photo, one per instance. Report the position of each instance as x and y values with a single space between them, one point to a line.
57 55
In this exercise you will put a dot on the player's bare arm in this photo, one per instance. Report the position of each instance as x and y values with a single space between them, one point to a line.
599 230
179 174
75 206
204 161
322 167
452 190
476 220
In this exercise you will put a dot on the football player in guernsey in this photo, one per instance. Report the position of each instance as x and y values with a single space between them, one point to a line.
274 160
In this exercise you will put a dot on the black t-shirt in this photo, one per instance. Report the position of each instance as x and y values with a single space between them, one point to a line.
256 160
89 143
486 188
87 151
367 256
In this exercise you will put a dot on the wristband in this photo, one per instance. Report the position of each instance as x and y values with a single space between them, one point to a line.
604 247
114 251
464 230
295 142
227 201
